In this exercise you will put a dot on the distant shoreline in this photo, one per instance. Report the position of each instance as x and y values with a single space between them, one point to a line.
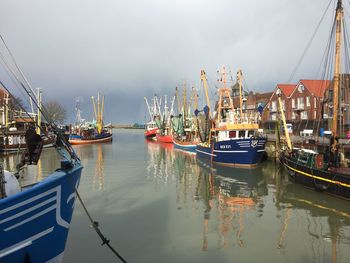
128 127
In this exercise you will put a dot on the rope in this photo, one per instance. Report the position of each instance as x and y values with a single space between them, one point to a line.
95 225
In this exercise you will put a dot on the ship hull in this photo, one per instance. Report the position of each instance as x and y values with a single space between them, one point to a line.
103 138
150 134
244 153
165 138
188 146
34 223
334 181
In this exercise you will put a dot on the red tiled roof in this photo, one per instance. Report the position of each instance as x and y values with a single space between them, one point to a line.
3 92
317 87
266 95
287 89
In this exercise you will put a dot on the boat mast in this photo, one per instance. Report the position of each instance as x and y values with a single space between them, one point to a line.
195 98
224 95
239 78
205 84
6 111
178 100
184 98
149 109
39 111
38 119
289 143
339 20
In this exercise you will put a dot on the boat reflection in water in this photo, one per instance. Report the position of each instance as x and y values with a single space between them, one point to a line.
160 165
259 209
93 155
328 221
229 195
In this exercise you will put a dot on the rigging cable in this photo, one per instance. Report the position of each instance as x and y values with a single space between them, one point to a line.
95 225
309 43
43 111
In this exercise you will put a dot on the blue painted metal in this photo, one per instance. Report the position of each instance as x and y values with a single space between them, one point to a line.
244 152
34 223
185 147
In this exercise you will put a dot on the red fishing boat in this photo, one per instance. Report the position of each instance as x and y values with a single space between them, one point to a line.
151 128
165 138
151 132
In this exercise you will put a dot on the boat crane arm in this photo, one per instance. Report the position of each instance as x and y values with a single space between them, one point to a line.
239 79
171 109
158 107
93 103
178 100
102 109
289 144
149 109
205 84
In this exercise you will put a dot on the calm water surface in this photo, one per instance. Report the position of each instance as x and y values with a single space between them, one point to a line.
157 204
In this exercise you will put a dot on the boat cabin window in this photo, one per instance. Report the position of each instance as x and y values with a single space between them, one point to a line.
241 134
303 157
251 133
232 134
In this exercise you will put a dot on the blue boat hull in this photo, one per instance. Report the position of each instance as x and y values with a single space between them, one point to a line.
238 153
34 223
185 147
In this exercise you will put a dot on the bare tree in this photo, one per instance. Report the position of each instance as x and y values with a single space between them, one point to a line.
55 111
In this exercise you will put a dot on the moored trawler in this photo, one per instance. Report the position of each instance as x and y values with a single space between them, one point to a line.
185 132
315 169
91 132
151 128
162 120
234 138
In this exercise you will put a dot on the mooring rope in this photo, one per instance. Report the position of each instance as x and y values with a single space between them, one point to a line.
95 225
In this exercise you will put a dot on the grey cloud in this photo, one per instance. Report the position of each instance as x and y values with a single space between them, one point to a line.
131 49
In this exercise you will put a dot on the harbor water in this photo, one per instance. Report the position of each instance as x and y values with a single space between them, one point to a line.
157 204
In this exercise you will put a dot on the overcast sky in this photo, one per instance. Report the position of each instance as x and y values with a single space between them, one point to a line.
130 49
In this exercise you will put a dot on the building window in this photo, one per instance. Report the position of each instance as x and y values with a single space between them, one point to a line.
301 88
284 105
293 103
307 101
293 115
273 117
315 103
274 106
315 115
300 103
303 115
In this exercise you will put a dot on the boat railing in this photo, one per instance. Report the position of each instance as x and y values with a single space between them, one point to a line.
235 118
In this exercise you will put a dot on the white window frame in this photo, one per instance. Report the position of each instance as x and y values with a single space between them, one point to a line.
308 101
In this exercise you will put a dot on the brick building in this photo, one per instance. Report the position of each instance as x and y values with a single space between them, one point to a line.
302 103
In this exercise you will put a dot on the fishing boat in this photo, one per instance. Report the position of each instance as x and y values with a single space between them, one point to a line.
314 168
185 135
35 219
234 138
15 123
163 120
151 128
91 132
